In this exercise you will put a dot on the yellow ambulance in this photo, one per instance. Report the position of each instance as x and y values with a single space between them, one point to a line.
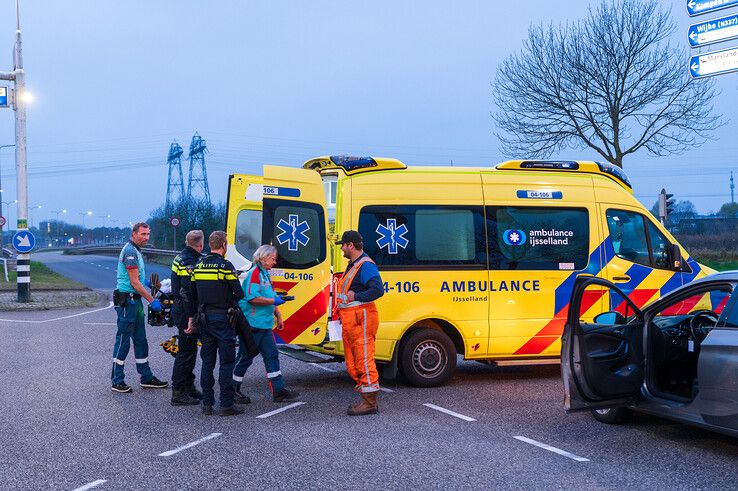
477 262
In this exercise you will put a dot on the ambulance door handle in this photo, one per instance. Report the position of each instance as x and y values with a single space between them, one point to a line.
621 279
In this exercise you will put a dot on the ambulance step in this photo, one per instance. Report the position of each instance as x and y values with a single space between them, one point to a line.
307 356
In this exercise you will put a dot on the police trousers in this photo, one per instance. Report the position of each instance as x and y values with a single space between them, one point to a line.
218 342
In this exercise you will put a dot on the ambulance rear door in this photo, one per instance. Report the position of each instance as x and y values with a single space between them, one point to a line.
285 208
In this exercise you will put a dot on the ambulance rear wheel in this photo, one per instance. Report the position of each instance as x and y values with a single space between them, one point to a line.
427 358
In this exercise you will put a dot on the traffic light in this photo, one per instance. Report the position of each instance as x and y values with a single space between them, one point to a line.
666 204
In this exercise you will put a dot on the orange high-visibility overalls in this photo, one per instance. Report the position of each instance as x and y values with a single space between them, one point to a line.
359 323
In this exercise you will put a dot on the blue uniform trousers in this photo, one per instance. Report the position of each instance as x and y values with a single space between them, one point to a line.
183 376
131 326
264 339
218 341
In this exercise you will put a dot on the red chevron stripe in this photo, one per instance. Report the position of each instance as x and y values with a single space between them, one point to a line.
555 327
284 285
305 316
638 297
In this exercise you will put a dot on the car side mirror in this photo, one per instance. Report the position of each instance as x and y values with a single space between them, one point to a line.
676 255
610 318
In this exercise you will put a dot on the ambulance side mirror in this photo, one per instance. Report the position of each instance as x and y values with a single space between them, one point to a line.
676 255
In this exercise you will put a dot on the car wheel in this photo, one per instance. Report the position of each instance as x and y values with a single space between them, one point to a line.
427 358
612 415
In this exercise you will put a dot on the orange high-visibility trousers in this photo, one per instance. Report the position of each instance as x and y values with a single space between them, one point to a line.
359 327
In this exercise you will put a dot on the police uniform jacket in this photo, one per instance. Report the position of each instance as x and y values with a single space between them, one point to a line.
214 284
182 268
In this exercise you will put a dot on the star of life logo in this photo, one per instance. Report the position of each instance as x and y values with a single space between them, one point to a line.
513 237
293 232
391 236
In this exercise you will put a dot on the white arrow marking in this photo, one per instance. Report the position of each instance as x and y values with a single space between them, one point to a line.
23 241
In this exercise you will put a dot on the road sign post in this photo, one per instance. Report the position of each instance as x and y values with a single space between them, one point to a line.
699 7
174 222
714 63
713 31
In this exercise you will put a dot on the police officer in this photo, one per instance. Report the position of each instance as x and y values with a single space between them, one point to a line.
355 294
131 278
214 288
184 392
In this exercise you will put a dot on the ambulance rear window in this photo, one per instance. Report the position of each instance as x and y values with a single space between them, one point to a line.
297 230
537 238
248 232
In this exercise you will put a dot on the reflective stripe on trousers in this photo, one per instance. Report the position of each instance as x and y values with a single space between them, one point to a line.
359 325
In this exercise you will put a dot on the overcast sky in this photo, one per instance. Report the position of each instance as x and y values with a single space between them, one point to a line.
280 82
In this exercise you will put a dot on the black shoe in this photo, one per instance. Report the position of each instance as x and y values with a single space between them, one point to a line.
240 397
155 383
122 388
183 398
285 395
231 411
207 410
194 393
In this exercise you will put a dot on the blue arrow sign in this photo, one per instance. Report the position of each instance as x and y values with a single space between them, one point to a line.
3 97
713 31
24 241
699 7
714 63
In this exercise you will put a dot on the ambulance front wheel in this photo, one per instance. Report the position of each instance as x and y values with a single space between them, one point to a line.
427 357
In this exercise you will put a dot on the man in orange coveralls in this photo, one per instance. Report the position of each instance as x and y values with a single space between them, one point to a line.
355 294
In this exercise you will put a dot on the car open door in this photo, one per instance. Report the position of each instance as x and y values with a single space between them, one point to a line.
285 208
602 363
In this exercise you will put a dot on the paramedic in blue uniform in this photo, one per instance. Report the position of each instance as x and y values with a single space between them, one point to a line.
131 326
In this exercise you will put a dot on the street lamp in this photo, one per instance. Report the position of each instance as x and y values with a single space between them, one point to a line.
7 221
104 218
1 190
57 213
84 214
30 210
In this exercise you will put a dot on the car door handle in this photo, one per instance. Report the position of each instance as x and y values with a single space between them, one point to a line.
621 279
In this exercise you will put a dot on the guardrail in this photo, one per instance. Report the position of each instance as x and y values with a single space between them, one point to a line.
115 250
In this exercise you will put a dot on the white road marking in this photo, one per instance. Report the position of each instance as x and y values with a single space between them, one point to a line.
57 318
318 365
551 449
190 445
282 409
91 485
385 389
100 324
449 412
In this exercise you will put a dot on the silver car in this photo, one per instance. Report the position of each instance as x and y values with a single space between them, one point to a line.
676 358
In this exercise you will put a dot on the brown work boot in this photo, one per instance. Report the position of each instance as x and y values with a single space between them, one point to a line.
368 405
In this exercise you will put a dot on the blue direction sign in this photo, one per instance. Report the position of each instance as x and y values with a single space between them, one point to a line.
714 63
699 7
24 241
3 97
713 31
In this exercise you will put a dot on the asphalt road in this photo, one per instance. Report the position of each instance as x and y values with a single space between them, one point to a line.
95 272
62 428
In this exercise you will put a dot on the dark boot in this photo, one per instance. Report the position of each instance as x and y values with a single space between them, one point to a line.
368 405
231 411
183 398
240 397
193 392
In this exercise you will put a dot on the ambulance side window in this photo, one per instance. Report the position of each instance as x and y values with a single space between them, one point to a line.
537 238
297 230
659 248
424 236
628 236
248 232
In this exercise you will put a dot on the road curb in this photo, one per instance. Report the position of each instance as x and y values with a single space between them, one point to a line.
51 300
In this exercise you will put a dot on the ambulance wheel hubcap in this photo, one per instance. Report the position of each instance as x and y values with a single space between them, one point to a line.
429 359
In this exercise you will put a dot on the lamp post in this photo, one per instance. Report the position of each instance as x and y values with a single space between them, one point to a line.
1 190
30 210
84 214
57 213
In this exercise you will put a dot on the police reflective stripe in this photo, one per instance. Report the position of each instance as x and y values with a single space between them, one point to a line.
274 374
119 362
237 378
199 276
142 360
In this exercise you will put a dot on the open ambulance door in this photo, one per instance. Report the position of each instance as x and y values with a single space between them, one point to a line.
285 208
602 363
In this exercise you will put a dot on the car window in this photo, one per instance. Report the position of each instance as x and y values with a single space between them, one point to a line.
660 248
712 300
628 236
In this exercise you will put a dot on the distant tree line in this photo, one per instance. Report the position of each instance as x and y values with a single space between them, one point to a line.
193 214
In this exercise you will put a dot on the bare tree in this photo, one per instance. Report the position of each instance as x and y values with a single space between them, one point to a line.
610 82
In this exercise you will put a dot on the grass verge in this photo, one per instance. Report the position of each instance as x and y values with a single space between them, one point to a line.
42 278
